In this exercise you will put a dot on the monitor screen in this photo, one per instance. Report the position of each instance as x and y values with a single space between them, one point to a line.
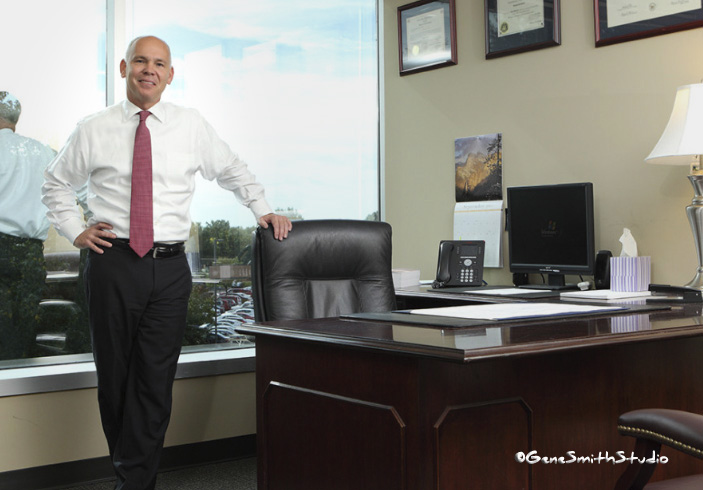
550 230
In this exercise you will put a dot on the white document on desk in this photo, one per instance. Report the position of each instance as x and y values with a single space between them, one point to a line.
514 311
505 291
481 220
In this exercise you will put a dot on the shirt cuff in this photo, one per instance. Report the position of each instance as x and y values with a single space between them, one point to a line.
72 230
260 208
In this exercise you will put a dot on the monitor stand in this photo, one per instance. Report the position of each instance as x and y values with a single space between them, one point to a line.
555 282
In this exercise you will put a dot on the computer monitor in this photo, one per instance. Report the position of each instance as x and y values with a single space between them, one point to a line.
550 231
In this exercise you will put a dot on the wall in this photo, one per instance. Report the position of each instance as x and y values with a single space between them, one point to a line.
65 426
568 113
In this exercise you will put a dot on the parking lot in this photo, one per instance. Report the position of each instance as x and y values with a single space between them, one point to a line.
233 307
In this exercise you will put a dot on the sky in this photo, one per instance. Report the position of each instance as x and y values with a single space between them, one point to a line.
291 86
298 87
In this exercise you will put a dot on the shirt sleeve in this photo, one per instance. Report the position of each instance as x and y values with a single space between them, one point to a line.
221 163
67 173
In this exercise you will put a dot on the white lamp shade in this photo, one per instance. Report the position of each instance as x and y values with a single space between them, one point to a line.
683 135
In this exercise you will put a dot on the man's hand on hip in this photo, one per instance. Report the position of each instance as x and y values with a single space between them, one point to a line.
92 237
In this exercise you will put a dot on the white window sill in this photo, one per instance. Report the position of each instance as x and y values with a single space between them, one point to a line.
63 373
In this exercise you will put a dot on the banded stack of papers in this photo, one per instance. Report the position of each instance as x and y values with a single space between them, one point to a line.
604 294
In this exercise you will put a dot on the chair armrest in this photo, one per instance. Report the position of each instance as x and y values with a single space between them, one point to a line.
674 428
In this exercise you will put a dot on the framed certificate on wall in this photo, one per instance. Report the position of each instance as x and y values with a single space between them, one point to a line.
617 21
426 35
516 26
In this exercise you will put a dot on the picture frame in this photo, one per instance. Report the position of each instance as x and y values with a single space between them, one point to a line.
517 26
426 35
638 19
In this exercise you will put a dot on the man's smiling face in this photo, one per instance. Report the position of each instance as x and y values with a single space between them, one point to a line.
148 70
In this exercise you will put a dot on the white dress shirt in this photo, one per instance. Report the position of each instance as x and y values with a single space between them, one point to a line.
22 164
100 149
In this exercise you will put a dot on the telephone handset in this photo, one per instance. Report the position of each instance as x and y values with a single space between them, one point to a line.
460 263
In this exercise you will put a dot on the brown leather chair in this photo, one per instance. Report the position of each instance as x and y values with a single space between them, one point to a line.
325 268
653 427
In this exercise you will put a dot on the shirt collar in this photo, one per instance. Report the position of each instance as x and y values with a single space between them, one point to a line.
129 109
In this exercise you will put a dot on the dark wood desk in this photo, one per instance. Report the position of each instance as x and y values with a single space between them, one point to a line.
348 404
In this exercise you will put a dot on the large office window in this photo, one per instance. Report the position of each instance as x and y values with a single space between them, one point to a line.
292 87
53 61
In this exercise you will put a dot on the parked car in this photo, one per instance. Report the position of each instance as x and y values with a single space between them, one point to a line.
244 312
224 304
226 329
225 334
225 318
217 337
233 299
229 323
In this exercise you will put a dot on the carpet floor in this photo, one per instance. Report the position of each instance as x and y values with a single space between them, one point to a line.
229 475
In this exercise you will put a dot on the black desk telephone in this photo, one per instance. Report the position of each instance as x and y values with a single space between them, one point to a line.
460 263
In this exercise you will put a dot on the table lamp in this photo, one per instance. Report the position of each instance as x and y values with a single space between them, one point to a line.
682 144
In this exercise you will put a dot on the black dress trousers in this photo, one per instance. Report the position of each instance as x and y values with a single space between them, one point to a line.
137 310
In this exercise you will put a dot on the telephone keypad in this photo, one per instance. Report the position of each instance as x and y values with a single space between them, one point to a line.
466 275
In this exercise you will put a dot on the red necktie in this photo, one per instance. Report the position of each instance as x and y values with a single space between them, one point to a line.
141 228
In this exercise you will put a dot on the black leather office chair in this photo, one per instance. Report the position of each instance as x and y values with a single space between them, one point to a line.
653 427
325 268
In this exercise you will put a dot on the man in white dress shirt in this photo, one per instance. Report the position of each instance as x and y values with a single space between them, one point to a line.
137 305
23 228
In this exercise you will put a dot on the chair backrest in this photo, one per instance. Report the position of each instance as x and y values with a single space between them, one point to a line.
325 268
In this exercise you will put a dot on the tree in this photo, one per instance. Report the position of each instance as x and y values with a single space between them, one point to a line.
290 213
233 243
493 157
201 306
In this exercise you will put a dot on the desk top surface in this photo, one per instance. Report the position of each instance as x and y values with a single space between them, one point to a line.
510 338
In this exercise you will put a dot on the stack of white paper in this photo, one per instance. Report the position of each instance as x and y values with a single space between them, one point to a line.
403 278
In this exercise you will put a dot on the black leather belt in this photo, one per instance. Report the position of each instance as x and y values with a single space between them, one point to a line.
159 250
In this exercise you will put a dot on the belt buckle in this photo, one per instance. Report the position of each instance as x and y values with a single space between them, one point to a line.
166 251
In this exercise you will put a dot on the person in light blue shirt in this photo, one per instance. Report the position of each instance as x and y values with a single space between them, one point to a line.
23 228
22 164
